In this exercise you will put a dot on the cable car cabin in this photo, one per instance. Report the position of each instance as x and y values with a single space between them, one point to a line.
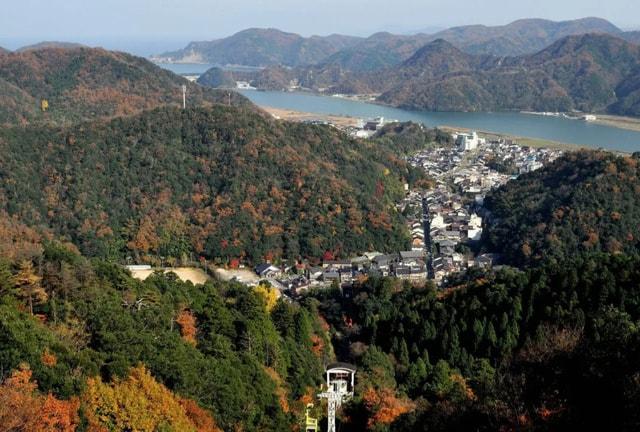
311 423
341 378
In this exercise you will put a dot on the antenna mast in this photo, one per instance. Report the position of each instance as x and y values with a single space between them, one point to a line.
184 96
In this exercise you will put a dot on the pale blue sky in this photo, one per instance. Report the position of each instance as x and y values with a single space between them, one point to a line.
146 24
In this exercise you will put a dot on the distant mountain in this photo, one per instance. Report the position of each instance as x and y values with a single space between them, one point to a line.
4 50
632 36
591 73
261 47
87 83
50 44
525 36
384 50
378 51
594 72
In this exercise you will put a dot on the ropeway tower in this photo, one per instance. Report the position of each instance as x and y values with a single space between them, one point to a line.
340 385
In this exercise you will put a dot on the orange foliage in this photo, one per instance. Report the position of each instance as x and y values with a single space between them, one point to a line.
146 238
318 345
592 239
17 241
22 409
307 397
462 382
58 415
201 418
385 407
281 392
48 358
188 328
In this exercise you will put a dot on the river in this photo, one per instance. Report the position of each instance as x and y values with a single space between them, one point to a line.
557 129
509 123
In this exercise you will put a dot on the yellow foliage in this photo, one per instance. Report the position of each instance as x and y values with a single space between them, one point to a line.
28 283
137 403
269 294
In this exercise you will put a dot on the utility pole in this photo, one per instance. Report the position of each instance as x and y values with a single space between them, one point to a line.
184 97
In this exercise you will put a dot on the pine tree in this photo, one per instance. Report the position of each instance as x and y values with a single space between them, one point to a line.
28 284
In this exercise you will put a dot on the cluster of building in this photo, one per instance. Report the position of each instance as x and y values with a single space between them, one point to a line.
408 265
446 222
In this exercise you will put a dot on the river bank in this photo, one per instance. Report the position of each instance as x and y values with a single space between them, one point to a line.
520 140
348 121
538 129
300 116
628 123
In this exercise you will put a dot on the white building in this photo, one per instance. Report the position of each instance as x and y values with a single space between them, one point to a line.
468 141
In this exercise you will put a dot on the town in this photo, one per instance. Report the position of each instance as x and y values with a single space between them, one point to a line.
446 222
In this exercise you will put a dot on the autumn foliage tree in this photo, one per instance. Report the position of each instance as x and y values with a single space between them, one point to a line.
23 409
140 403
385 406
268 294
28 284
188 329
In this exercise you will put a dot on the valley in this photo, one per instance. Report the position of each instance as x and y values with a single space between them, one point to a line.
424 231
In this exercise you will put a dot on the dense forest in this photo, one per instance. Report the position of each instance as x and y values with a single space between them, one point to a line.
551 348
225 183
83 346
584 202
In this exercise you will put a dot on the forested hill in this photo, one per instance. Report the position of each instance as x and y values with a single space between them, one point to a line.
85 83
261 47
227 183
544 349
583 202
84 346
592 72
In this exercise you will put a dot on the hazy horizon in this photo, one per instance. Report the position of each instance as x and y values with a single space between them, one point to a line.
149 26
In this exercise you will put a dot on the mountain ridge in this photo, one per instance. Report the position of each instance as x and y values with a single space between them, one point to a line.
82 84
260 47
593 72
